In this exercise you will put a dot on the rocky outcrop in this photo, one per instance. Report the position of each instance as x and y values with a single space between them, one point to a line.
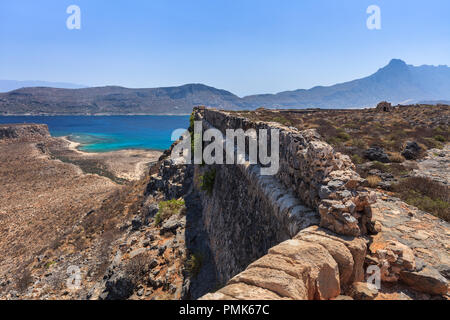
24 132
316 264
412 150
376 153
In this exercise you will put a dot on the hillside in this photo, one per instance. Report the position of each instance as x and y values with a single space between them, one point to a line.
114 100
397 82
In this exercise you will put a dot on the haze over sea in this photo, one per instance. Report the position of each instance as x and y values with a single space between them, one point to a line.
110 133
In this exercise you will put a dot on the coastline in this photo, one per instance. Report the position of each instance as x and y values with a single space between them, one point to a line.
127 164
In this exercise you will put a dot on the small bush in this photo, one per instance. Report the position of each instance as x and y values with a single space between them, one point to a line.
373 181
137 267
169 208
357 159
359 143
194 264
439 138
380 166
282 120
207 181
343 136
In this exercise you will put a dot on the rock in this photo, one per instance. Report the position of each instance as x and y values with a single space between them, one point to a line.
393 257
119 287
363 291
136 223
242 291
412 150
334 218
376 153
171 225
294 269
338 251
137 252
444 269
140 292
341 297
428 280
356 246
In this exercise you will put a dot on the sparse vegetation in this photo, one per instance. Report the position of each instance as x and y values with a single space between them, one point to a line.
169 208
425 194
207 181
373 181
137 267
396 157
194 264
439 138
24 280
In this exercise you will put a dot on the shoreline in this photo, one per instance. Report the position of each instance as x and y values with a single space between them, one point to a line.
128 164
74 146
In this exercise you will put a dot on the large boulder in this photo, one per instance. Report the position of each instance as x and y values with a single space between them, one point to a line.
363 291
294 269
376 153
412 150
356 247
427 280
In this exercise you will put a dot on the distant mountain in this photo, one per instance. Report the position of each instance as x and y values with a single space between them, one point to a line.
9 85
114 100
397 82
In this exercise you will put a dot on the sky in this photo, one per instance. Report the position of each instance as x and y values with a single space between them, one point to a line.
244 46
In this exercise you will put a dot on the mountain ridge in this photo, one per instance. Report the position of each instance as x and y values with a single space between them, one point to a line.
396 82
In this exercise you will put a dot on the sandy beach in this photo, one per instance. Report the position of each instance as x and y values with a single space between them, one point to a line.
129 164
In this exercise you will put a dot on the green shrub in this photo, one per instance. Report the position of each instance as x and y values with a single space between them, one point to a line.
207 181
169 208
380 166
439 138
194 264
343 136
357 159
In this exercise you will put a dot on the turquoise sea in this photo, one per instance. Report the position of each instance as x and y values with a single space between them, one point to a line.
108 133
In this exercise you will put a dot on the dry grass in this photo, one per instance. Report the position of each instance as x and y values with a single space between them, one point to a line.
373 181
396 157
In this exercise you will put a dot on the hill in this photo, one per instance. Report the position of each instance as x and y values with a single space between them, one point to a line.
397 82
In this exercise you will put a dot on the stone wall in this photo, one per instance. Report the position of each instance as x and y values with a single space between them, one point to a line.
309 168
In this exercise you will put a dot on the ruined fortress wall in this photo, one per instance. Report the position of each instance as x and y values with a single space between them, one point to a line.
309 168
248 213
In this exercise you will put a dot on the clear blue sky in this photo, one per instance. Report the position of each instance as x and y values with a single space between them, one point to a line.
245 46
